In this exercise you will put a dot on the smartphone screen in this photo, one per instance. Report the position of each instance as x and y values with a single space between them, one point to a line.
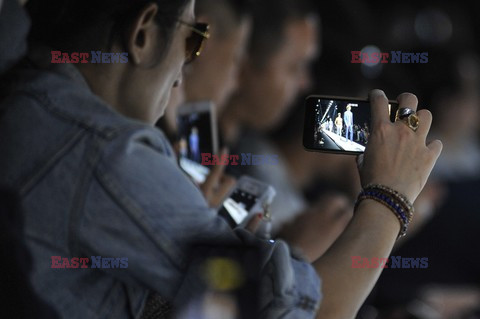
250 195
338 124
196 129
236 208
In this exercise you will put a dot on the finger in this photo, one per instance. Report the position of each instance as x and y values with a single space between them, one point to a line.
254 223
435 147
379 107
215 173
360 160
424 122
176 147
407 100
224 188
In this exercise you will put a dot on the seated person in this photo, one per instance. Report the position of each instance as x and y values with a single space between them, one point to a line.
230 25
95 178
273 73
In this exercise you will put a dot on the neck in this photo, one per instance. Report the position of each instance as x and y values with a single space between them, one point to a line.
103 81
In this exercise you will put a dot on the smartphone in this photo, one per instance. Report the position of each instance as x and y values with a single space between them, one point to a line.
197 131
249 197
338 124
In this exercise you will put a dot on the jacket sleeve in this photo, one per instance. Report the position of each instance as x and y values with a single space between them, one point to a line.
140 205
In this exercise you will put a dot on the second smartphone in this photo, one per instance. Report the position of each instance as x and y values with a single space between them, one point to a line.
197 130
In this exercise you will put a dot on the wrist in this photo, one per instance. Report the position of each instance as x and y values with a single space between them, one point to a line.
397 203
377 215
404 189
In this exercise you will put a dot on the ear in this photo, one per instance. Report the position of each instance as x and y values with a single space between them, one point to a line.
143 36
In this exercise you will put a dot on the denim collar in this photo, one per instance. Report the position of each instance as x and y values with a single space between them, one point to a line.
41 57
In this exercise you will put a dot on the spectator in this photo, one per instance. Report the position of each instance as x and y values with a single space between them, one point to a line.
96 179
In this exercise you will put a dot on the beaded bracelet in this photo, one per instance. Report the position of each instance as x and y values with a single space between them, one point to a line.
396 202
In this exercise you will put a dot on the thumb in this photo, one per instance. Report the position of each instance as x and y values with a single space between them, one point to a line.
254 223
360 161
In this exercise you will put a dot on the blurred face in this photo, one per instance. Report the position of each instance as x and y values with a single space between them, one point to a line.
168 74
267 92
141 88
145 83
214 75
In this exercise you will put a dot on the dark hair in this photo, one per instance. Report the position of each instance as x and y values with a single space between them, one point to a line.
84 25
227 14
269 20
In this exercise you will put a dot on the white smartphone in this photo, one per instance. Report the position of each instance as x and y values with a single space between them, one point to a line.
249 197
197 131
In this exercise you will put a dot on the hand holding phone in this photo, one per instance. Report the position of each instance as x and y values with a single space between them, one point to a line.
217 184
249 197
399 157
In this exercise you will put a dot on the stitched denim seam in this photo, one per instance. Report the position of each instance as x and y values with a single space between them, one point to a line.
107 181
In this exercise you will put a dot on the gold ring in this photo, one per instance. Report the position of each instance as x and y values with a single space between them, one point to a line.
409 117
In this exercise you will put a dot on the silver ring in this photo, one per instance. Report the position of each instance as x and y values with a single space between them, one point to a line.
403 113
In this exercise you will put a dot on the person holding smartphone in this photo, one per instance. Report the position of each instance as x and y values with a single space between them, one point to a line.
95 178
206 83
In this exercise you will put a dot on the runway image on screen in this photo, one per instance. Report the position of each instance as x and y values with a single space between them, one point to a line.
195 133
341 125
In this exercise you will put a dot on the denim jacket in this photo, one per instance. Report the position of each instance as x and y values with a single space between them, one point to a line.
14 26
95 183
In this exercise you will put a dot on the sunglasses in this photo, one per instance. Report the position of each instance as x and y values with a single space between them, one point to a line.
196 40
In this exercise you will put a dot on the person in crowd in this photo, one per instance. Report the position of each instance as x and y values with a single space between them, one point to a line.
204 80
194 142
274 72
339 124
95 178
348 120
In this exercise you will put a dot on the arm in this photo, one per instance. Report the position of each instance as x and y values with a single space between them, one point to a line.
141 206
399 158
371 233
